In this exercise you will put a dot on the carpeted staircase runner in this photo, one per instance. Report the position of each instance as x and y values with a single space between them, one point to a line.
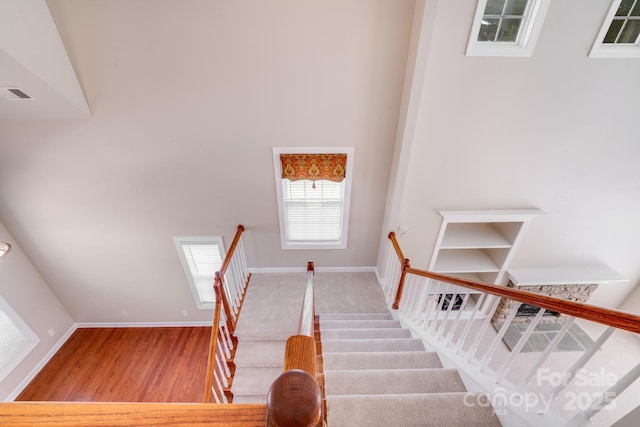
376 374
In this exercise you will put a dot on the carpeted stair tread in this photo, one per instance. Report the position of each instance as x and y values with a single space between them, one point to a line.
256 354
356 316
351 324
386 381
362 333
376 345
254 381
429 410
381 360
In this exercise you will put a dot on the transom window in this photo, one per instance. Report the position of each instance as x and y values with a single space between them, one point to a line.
502 20
619 35
201 258
313 187
506 27
625 25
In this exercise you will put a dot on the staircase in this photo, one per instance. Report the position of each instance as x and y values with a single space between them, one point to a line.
376 374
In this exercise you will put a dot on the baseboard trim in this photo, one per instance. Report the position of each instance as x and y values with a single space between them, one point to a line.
142 324
45 359
317 269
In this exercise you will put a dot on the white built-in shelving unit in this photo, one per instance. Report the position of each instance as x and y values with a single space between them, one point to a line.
478 245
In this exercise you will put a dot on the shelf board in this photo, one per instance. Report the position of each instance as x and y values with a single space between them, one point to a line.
464 261
480 235
515 215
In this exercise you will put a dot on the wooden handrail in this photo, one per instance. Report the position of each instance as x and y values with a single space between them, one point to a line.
305 324
214 341
616 318
232 249
120 414
220 276
295 397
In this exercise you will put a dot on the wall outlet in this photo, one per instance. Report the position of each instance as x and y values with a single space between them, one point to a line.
185 313
51 332
125 314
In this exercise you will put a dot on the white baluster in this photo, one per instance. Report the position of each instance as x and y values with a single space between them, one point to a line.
588 354
502 371
607 397
496 341
483 329
469 324
523 385
456 322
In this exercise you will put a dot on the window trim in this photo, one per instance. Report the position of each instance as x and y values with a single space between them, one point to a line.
179 241
32 339
612 50
277 167
526 39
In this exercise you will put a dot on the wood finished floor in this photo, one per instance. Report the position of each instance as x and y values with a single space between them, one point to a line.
125 365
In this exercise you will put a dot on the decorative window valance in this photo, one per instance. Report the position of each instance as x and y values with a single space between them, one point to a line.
314 166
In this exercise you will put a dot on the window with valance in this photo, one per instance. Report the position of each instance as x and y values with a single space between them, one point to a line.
313 189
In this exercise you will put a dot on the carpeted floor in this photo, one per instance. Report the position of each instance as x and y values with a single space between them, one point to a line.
270 315
273 302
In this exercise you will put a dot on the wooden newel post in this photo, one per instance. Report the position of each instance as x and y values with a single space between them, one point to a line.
294 400
405 266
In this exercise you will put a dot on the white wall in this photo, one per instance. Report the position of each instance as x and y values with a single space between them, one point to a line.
27 293
557 132
188 98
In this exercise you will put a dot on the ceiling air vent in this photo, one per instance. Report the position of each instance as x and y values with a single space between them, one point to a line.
13 94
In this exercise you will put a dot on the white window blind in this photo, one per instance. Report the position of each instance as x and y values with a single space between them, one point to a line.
313 214
16 339
201 259
12 341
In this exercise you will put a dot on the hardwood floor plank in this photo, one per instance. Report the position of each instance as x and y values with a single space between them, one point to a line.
125 365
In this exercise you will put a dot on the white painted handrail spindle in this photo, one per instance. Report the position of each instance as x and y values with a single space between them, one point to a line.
456 322
588 354
504 368
498 338
523 385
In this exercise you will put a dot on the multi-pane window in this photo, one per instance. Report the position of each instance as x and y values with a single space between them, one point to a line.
625 25
506 27
619 35
502 20
201 258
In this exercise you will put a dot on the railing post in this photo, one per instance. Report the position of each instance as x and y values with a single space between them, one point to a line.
405 267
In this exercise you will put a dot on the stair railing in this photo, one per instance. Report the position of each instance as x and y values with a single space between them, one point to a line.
230 287
458 318
295 397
